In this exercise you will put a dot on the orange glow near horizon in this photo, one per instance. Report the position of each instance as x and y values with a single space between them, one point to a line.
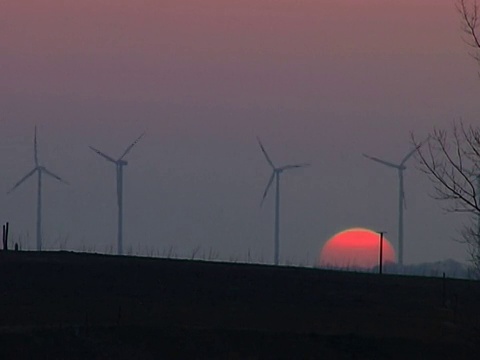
355 248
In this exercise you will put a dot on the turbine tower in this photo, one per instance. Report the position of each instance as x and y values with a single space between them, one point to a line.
119 164
277 171
401 194
40 170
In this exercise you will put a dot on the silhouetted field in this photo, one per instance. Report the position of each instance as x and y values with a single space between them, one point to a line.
83 306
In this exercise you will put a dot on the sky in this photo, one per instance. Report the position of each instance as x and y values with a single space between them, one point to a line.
319 81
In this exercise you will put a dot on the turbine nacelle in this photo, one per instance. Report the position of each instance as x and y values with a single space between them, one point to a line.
290 167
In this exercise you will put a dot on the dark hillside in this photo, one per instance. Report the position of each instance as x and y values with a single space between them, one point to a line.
67 305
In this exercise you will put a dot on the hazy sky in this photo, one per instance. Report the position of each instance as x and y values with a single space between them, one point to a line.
318 80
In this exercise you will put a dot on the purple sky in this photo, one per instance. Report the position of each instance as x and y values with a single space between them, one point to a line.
319 81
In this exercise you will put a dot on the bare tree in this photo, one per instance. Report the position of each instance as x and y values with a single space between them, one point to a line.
451 160
469 11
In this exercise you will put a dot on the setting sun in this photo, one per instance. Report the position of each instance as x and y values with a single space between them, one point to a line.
355 248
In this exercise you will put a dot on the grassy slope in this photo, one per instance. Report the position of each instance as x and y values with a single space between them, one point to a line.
78 304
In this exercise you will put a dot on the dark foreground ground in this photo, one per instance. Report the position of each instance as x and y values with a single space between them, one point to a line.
80 306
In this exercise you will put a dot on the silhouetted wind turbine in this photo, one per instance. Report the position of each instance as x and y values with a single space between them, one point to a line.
40 170
401 194
277 171
119 164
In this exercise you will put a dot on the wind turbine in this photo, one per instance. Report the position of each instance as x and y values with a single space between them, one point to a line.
119 164
277 171
40 170
401 194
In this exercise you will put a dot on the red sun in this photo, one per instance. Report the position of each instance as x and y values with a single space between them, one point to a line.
356 248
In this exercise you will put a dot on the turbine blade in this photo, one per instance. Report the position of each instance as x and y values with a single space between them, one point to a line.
409 155
269 184
22 180
265 153
131 146
382 161
103 155
296 166
35 147
48 172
